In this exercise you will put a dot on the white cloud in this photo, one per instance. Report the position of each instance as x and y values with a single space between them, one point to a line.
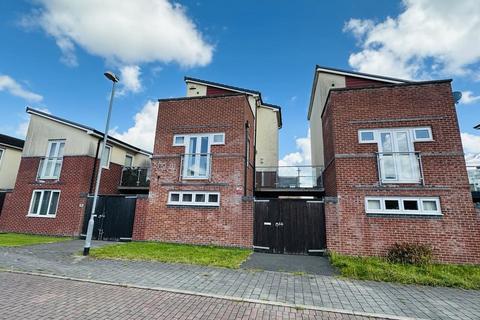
14 88
301 157
130 79
429 38
468 97
142 134
471 143
22 128
123 32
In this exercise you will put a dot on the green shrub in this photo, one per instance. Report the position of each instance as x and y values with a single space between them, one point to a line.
410 253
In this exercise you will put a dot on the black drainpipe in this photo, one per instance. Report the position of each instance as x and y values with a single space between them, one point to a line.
247 125
94 167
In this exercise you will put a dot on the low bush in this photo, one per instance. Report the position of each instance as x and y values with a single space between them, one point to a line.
410 253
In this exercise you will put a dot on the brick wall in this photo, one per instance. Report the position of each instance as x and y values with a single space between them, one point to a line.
229 224
352 174
73 184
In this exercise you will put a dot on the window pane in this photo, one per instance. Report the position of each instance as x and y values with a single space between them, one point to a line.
388 166
53 150
44 204
429 205
128 161
60 149
410 205
392 205
367 136
218 138
373 204
187 197
402 141
422 134
53 203
36 201
179 139
200 197
386 139
213 198
1 154
174 197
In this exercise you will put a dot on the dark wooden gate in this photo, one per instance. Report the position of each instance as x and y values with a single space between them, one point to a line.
2 200
292 226
115 216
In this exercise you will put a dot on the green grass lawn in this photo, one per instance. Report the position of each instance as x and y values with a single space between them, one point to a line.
17 239
174 253
378 269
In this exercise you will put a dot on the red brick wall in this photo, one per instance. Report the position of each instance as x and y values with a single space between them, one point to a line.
456 235
354 82
74 183
213 91
229 224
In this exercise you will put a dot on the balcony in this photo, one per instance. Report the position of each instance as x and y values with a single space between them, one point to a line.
288 180
474 181
135 179
400 167
195 166
49 168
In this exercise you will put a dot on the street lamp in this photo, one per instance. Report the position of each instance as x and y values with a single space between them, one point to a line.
88 239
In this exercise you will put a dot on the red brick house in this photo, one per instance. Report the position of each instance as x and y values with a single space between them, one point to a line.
57 172
202 182
394 165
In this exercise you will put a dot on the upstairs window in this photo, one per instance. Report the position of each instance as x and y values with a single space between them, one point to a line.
128 160
51 165
2 151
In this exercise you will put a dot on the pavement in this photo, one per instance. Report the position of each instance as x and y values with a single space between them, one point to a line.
304 291
36 297
297 264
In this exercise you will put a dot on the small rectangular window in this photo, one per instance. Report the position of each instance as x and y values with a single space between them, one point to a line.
374 204
44 203
366 136
410 205
429 205
106 157
128 161
196 198
422 134
1 154
392 205
219 138
179 140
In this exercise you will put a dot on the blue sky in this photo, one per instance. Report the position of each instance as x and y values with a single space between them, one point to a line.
54 54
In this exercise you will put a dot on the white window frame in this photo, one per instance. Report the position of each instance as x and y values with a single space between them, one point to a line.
402 210
415 139
2 154
360 139
107 166
206 203
129 156
186 145
47 215
43 169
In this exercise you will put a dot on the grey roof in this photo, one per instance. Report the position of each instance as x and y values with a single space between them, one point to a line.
221 85
11 141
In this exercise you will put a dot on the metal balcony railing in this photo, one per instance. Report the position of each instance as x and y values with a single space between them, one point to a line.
135 177
474 177
400 167
196 166
288 177
49 168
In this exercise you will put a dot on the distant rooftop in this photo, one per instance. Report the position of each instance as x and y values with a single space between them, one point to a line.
11 141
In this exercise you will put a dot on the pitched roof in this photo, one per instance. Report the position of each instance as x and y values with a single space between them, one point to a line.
11 141
85 128
279 112
222 86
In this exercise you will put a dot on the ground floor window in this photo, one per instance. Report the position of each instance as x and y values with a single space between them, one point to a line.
194 198
403 205
44 203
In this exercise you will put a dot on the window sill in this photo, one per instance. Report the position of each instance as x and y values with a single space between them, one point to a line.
188 206
40 216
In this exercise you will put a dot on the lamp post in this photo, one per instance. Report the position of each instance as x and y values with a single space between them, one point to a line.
88 239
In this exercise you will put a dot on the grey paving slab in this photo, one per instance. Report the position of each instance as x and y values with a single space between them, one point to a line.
33 297
316 290
290 263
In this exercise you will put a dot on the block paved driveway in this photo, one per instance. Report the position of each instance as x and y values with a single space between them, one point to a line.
35 297
304 290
